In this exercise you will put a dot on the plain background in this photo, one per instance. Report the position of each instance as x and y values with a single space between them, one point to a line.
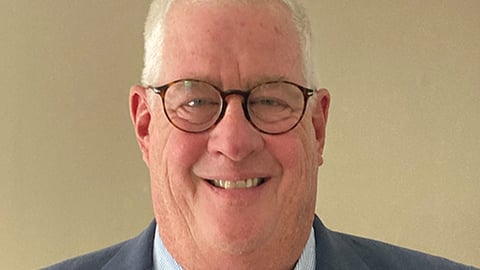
403 145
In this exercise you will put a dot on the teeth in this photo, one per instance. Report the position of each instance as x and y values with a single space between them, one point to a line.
247 183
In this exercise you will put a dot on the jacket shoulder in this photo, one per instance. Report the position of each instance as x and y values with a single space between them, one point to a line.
90 261
337 250
379 255
136 253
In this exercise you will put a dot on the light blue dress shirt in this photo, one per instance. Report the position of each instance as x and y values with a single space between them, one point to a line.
163 260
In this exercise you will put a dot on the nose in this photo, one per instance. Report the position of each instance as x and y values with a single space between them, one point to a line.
234 137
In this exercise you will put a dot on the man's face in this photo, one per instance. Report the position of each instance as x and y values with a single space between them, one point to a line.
233 46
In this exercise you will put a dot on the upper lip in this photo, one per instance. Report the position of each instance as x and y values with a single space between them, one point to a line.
227 172
233 176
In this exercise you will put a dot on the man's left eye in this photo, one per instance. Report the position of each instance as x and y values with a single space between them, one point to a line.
268 102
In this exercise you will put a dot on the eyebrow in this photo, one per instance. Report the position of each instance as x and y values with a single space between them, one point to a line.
264 79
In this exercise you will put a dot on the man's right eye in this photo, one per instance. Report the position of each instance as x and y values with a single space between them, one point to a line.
198 102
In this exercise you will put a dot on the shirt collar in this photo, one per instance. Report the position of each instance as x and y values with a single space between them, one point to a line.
163 260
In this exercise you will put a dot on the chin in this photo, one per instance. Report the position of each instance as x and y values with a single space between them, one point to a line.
235 237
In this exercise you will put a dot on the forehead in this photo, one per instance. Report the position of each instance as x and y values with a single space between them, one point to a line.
254 39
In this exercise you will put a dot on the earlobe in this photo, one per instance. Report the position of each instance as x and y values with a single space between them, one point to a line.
319 119
140 114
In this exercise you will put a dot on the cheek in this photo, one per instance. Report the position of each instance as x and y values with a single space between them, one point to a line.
183 149
172 186
296 153
170 149
174 153
297 156
171 156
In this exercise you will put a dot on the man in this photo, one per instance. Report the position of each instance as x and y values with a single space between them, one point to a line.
232 131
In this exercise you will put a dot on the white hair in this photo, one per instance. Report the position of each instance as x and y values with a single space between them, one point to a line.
155 30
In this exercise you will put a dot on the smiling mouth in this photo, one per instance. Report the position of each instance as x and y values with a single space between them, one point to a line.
240 184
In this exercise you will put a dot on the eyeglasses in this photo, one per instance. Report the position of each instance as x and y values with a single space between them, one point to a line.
195 106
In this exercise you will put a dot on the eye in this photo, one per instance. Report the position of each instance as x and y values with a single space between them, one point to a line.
198 107
268 103
200 102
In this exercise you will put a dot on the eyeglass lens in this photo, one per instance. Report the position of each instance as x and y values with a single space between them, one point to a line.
195 106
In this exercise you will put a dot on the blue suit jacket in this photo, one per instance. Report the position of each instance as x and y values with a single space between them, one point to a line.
334 251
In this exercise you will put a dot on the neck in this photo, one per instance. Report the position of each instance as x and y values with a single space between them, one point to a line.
282 254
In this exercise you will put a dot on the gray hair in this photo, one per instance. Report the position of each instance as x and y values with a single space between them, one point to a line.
155 29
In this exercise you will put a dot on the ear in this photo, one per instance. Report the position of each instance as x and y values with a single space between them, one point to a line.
319 119
140 114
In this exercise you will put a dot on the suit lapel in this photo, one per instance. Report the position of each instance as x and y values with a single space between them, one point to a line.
334 251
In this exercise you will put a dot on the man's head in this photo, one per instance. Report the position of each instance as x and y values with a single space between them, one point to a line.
231 196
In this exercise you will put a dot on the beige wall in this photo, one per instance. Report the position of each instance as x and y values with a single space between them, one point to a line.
403 148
